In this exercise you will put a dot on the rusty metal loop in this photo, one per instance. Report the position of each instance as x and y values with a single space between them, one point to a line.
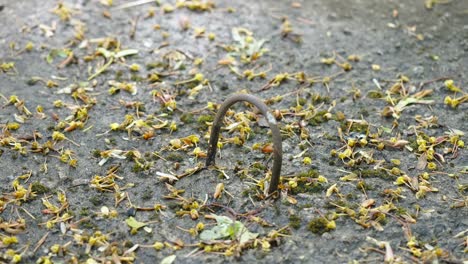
276 136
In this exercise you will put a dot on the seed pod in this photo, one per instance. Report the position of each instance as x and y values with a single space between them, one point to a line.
219 190
194 214
268 148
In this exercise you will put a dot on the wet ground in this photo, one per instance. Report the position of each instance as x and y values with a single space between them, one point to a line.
106 112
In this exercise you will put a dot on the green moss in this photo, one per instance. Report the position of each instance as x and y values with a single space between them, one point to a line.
308 188
318 99
350 196
363 186
141 165
32 81
305 206
147 194
318 225
187 118
305 184
96 153
84 212
137 168
294 221
331 204
252 136
258 130
401 210
318 118
301 101
257 168
174 157
364 112
252 191
203 119
413 144
371 173
118 75
375 94
312 173
152 65
137 78
355 127
38 188
339 116
381 218
112 141
330 137
87 224
96 200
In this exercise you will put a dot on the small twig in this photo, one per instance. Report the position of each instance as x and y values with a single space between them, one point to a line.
28 213
421 85
102 69
134 23
40 242
229 209
67 61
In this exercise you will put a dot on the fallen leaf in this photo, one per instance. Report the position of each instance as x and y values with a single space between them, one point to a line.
168 259
134 224
227 228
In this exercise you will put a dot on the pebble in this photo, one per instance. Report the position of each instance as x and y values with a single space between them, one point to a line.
418 70
326 236
80 182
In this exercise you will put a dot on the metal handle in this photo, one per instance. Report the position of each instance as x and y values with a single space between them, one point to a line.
276 136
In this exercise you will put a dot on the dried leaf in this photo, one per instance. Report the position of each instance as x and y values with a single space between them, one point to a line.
422 162
410 100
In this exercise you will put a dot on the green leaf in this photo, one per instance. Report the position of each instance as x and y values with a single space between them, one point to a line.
236 35
50 58
221 230
246 235
227 228
107 54
125 53
215 233
256 47
168 259
246 45
63 53
223 219
386 129
134 224
102 69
